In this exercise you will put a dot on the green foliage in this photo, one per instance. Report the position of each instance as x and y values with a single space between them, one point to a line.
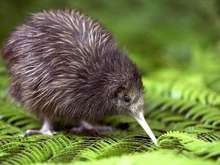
165 156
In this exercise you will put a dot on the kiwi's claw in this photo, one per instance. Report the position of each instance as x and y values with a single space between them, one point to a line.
43 132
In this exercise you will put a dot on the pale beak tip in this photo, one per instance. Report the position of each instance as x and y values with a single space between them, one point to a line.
155 142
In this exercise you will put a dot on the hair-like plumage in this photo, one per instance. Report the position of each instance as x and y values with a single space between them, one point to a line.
66 66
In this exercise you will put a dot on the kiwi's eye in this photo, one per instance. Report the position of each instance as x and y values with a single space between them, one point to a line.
127 99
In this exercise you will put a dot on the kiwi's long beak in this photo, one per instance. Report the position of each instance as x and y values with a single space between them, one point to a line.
141 120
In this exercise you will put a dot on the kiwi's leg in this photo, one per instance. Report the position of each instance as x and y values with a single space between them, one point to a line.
87 128
46 129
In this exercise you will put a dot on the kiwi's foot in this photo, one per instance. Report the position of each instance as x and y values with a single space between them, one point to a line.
86 128
46 129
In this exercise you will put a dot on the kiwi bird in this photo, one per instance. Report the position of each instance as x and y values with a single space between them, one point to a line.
66 68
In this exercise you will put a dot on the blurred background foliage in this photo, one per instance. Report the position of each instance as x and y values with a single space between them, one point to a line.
162 32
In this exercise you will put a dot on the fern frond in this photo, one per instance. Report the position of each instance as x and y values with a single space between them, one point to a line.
190 143
168 110
165 156
39 151
183 91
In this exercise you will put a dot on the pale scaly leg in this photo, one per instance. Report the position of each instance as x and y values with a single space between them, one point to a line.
86 128
46 129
